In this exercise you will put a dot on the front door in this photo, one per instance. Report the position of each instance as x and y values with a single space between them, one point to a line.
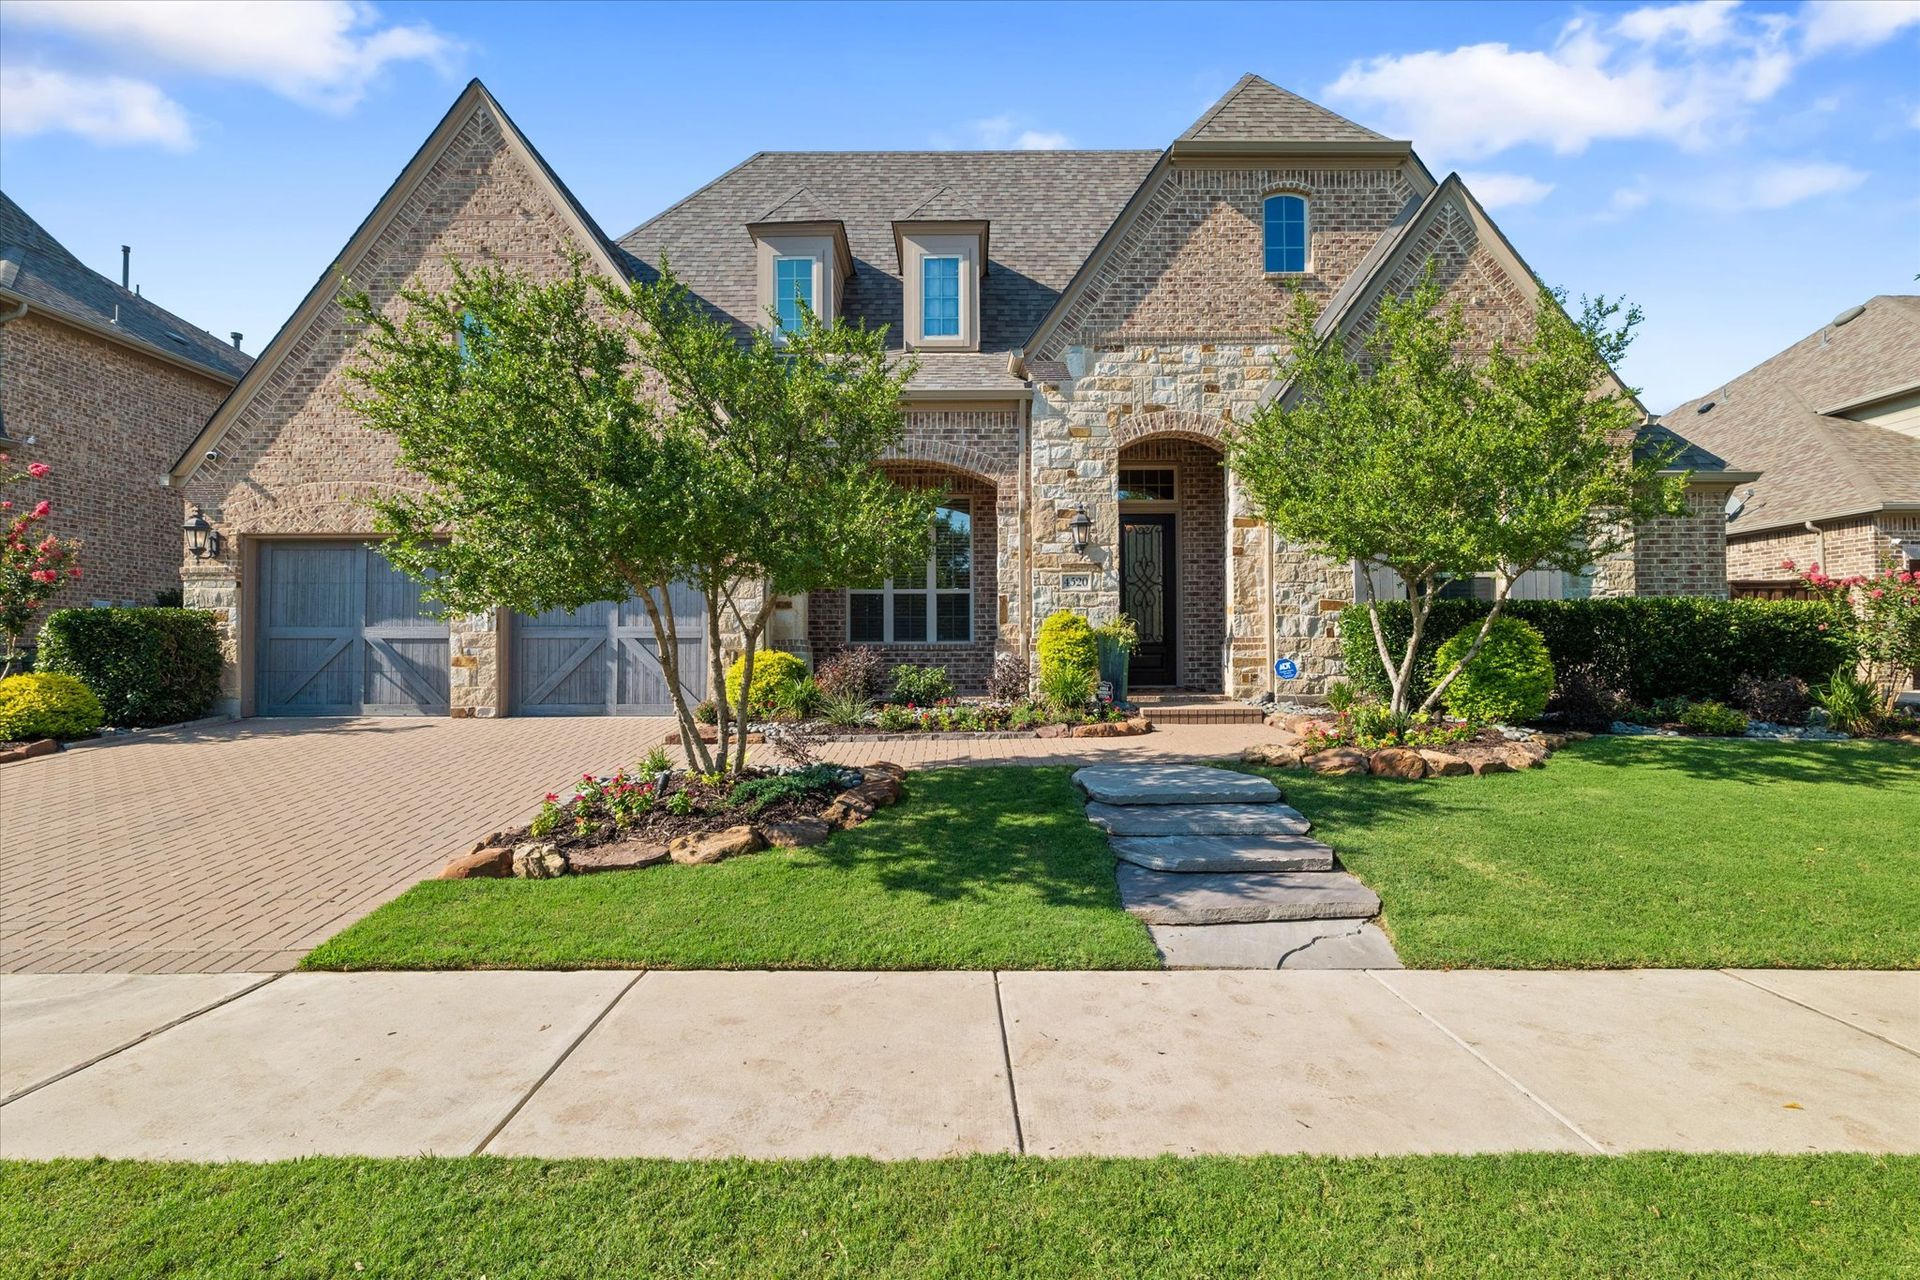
1147 596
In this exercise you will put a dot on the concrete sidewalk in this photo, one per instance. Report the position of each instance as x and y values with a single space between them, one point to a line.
898 1065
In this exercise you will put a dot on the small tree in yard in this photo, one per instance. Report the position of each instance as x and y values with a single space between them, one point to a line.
586 439
33 564
1416 457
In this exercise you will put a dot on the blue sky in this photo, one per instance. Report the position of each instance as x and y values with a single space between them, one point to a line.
1742 171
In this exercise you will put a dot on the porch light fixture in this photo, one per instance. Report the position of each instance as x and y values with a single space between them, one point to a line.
1081 526
202 538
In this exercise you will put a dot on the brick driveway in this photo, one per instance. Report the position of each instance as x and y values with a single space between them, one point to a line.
239 847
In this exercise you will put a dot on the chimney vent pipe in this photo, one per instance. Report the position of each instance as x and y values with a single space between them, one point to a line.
237 335
126 265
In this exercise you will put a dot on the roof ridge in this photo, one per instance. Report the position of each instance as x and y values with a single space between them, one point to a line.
1229 105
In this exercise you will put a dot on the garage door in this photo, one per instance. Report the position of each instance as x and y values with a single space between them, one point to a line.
342 632
603 660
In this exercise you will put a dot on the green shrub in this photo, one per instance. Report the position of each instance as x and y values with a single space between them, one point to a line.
1643 647
921 686
774 675
1341 696
755 794
146 666
1508 681
1851 703
1065 691
706 712
799 699
1067 646
1715 719
47 704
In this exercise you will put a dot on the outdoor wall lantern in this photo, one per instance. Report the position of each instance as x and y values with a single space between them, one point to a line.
202 538
1081 526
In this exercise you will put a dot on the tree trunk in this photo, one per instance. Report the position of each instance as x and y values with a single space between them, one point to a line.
711 589
666 636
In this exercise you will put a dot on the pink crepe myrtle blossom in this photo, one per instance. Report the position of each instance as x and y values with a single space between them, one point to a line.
38 470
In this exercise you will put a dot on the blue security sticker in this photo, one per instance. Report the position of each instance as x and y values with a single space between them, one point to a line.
1286 669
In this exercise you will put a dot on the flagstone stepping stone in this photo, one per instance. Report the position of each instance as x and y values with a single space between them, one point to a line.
1197 819
1275 944
1129 784
1160 897
1189 855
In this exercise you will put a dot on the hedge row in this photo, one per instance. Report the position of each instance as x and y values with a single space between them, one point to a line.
1645 647
147 666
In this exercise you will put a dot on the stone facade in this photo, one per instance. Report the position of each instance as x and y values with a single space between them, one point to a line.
110 421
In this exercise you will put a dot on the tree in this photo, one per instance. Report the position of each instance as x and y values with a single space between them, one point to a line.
1412 455
589 439
33 565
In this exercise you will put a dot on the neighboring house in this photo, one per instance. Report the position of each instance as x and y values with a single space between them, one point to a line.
1833 423
1087 324
106 388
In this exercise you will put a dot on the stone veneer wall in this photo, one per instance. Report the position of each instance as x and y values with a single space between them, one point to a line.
110 422
297 462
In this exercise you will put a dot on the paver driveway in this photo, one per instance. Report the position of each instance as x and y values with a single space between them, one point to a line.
240 847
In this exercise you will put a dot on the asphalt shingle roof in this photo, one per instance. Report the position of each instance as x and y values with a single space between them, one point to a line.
1815 466
1257 110
38 269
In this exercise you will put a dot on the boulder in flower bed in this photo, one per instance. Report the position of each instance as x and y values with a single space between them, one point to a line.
1398 762
482 862
1275 755
538 860
795 833
628 855
1339 762
1444 764
715 846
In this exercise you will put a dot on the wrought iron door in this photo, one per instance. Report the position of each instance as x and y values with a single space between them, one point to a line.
1147 595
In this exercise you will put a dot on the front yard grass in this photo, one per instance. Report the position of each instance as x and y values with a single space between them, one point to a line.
1631 852
991 868
1653 1215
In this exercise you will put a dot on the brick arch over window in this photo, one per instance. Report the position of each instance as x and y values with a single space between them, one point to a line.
946 454
1180 424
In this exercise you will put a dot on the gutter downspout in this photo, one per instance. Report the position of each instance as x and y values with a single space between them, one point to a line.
14 314
1025 497
1820 545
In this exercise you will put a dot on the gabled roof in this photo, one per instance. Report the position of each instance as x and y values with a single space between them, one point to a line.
600 251
38 270
1257 110
1815 464
944 205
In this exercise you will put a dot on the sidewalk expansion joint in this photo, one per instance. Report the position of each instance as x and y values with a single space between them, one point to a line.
142 1038
557 1063
1489 1064
1006 1056
1831 1017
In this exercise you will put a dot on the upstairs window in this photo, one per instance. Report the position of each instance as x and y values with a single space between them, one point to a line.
940 297
1286 218
792 291
926 600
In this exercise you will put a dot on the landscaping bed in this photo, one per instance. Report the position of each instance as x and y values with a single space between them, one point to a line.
1648 1215
1342 745
980 868
1642 852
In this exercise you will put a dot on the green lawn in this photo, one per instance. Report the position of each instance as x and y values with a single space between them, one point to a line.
1497 1216
1623 852
976 869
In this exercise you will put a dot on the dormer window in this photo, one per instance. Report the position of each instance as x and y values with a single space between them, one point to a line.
793 291
940 297
1286 229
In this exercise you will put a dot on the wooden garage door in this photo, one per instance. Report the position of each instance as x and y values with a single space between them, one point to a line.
342 632
603 660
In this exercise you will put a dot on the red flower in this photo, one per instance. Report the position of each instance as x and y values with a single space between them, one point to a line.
42 509
45 575
1786 564
74 572
552 796
38 470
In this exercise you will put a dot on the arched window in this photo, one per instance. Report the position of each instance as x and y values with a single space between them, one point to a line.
1286 218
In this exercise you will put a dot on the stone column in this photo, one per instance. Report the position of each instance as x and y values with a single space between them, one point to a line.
473 645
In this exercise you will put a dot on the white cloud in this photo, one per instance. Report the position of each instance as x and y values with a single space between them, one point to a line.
1775 186
322 53
1855 24
109 110
1009 133
1685 74
1506 190
1626 200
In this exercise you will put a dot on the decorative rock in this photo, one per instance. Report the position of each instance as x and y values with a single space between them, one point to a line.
1339 762
1522 755
1097 729
479 863
1136 725
538 860
888 767
1488 764
30 750
1181 784
628 855
1398 762
795 833
848 810
715 846
1275 755
1053 731
1441 764
1197 819
1578 735
879 790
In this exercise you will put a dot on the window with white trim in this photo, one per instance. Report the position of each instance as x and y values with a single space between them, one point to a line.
1286 227
926 601
940 297
792 291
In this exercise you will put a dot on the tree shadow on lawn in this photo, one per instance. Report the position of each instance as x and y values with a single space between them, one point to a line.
1757 761
971 834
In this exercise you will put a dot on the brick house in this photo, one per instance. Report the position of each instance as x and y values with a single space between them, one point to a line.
1833 422
1087 324
107 389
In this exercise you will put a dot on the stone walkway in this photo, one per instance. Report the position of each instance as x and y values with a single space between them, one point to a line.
1225 876
911 1065
242 846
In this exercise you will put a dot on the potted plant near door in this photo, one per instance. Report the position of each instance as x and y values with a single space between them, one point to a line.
1115 642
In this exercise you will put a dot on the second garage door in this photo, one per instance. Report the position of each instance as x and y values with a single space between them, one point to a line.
342 632
604 660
